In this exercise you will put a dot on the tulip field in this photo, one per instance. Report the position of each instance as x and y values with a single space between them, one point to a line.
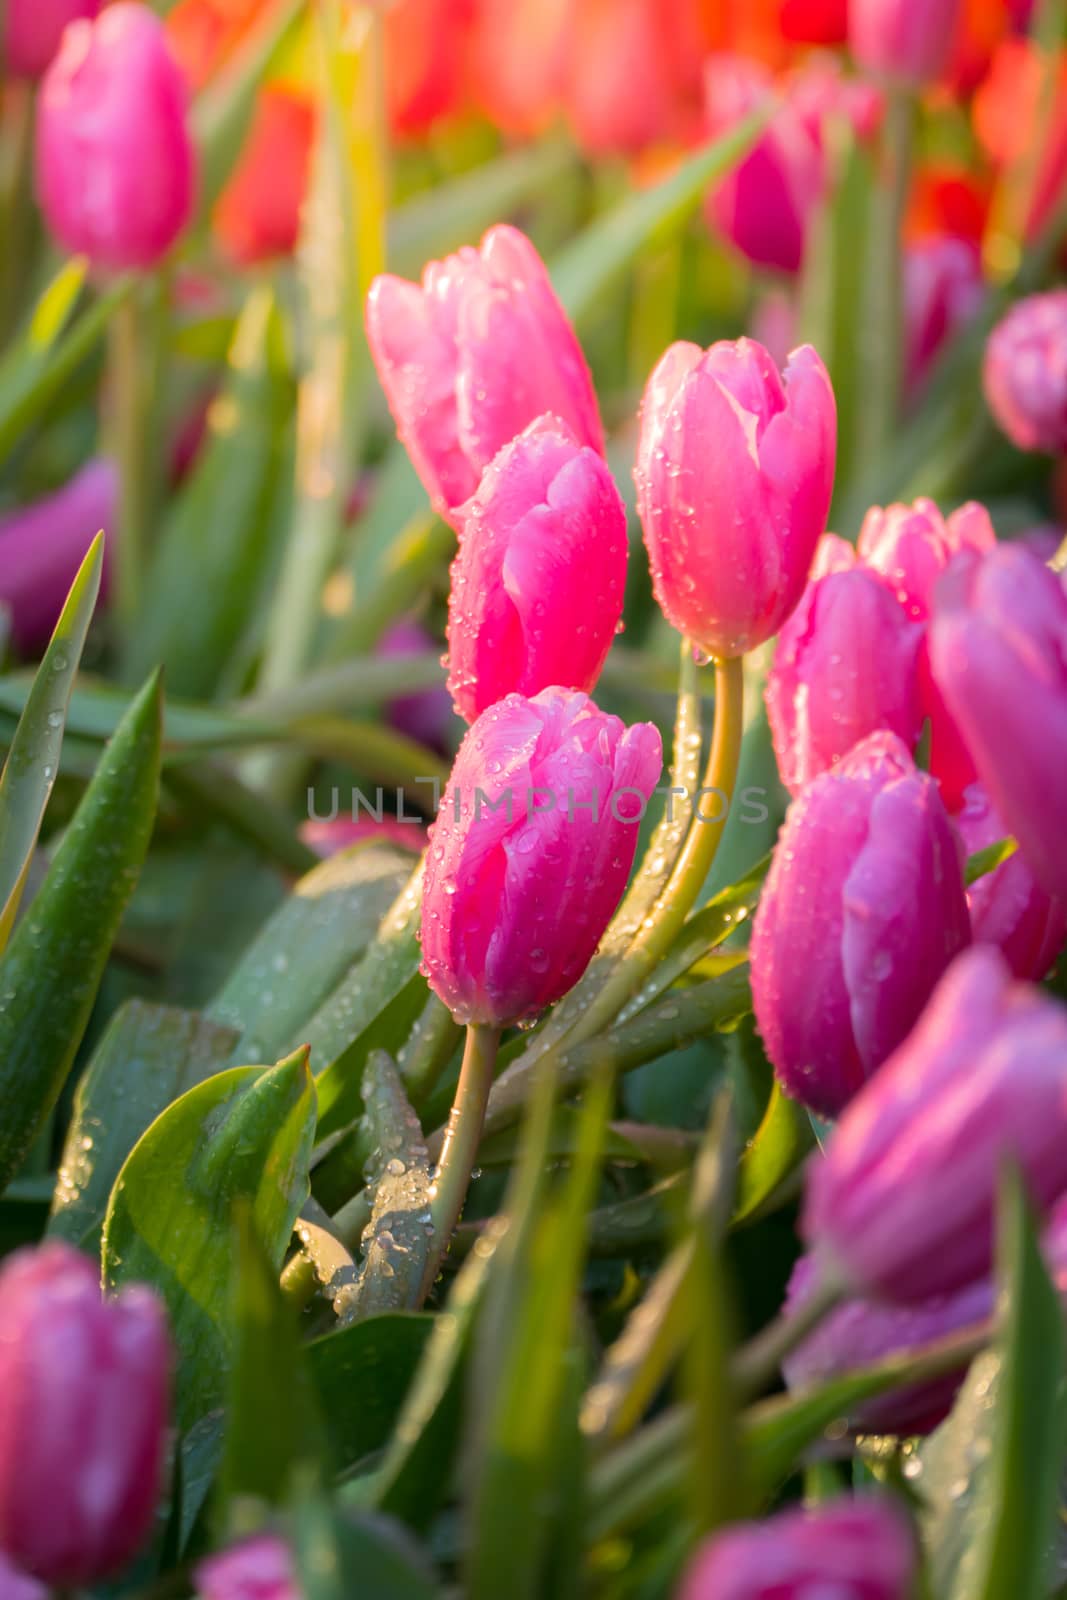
533 799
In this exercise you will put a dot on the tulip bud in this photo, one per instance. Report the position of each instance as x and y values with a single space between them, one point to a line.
257 1569
1008 906
849 1549
622 85
1025 372
258 214
862 911
83 1415
910 40
998 650
424 715
33 29
530 852
902 1205
539 580
472 356
43 545
943 291
845 666
15 1585
116 169
734 474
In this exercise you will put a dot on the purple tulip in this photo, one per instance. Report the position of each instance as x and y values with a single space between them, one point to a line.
540 576
735 467
850 1549
116 168
902 1204
910 40
425 715
43 545
257 1569
83 1417
33 29
473 355
531 851
1025 372
862 911
1008 906
16 1585
998 649
943 292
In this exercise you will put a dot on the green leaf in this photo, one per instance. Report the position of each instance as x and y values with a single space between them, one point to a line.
338 1556
989 859
782 1141
244 1135
149 1056
362 1374
52 968
33 759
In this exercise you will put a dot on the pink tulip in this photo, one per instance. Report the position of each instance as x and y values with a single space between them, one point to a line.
531 851
911 546
862 911
1025 372
116 168
1008 906
539 579
43 545
943 292
16 1585
327 836
83 1415
902 1204
472 356
33 29
735 469
260 1568
845 666
910 40
849 1549
998 650
424 715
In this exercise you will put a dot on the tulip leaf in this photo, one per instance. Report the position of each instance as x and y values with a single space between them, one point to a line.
33 758
362 1373
330 1548
50 971
243 1136
989 859
782 1141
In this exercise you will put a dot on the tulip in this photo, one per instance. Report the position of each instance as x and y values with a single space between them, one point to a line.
844 667
33 29
1008 906
327 836
473 356
943 292
531 851
15 1585
998 650
814 21
258 214
1020 119
83 1414
902 1205
862 911
260 1568
625 83
424 76
903 39
849 1549
425 715
734 474
116 168
1025 372
539 580
519 50
43 545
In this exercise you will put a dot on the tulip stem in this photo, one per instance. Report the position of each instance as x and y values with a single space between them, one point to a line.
759 1361
459 1148
131 397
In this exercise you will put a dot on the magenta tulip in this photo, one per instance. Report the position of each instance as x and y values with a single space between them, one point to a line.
862 911
531 851
16 1585
910 40
848 1549
43 545
539 579
116 168
473 355
1008 906
424 715
734 473
845 666
260 1568
911 546
902 1205
998 649
83 1416
33 29
1025 372
943 292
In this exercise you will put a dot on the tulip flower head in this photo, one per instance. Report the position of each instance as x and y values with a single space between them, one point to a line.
530 852
539 580
735 468
43 545
260 1568
910 40
1025 372
1008 906
32 31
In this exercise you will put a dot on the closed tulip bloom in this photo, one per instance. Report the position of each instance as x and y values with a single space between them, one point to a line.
116 169
473 355
539 580
862 911
998 649
258 214
844 667
530 852
16 1585
910 40
851 1549
1025 372
943 292
32 31
83 1417
260 1568
1008 906
424 715
902 1205
735 468
43 545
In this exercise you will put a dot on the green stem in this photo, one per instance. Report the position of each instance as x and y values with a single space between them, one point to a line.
880 354
459 1149
130 398
758 1362
16 207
